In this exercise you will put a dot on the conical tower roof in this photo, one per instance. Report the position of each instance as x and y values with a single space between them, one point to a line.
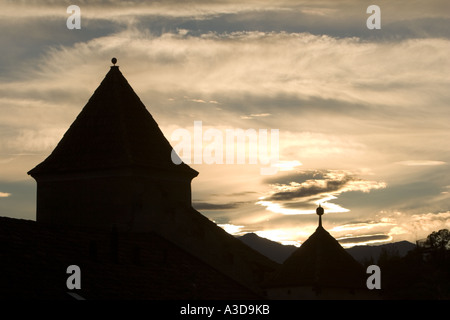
114 130
320 262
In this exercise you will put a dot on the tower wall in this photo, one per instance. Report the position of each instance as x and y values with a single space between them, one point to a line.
130 202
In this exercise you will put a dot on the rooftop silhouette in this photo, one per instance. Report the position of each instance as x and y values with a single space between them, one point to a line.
112 173
114 130
319 265
112 167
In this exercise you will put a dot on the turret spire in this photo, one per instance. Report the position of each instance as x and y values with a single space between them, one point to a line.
320 212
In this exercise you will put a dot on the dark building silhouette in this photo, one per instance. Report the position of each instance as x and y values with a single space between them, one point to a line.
319 269
110 200
34 258
112 167
112 176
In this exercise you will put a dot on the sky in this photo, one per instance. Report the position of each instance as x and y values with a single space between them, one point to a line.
361 115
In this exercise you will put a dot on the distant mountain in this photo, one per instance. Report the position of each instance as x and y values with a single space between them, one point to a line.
366 253
278 252
271 249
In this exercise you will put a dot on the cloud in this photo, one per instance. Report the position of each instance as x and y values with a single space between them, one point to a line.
286 236
361 226
252 116
321 182
418 226
421 163
321 17
287 165
215 206
198 100
307 189
364 240
28 141
232 229
222 63
247 73
299 192
237 194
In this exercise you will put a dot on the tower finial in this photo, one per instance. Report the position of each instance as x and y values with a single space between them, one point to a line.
114 61
320 212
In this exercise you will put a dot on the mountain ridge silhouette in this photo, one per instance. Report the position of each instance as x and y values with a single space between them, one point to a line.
279 252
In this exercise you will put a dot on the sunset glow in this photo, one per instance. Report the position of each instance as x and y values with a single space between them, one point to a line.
362 115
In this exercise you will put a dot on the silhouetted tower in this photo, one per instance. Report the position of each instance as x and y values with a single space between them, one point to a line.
319 269
113 170
113 166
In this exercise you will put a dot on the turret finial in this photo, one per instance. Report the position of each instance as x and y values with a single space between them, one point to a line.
320 212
